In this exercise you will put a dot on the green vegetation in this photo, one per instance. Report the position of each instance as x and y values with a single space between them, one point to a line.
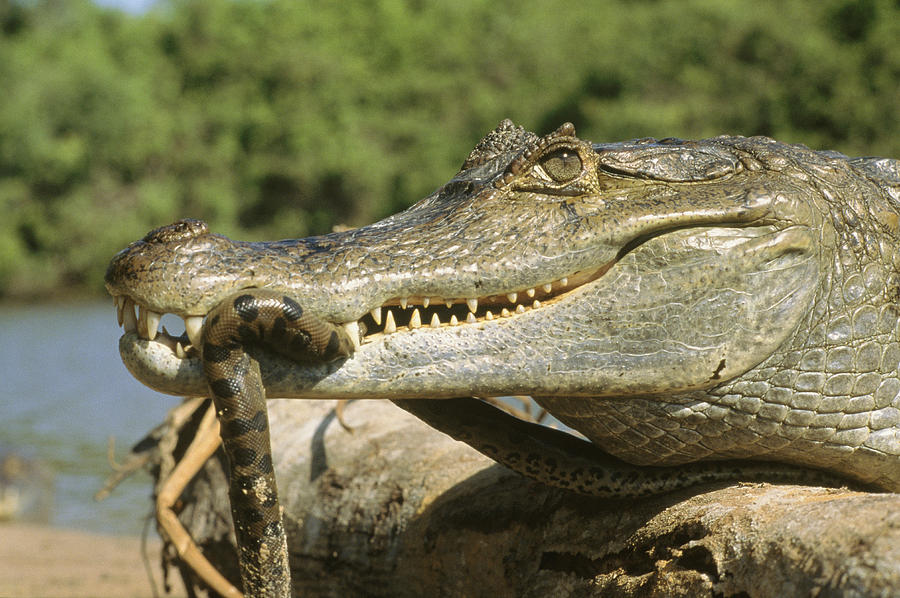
282 118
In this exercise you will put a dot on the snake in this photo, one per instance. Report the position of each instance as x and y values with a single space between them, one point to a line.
258 319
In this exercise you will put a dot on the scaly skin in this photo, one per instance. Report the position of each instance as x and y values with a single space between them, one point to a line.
730 298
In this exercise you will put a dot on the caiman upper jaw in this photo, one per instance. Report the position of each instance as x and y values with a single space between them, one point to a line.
396 315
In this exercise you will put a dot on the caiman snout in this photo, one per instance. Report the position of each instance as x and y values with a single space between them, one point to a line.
182 230
136 272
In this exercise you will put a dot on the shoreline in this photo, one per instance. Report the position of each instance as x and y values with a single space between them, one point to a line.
39 561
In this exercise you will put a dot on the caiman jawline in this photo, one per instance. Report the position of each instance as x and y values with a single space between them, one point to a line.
398 314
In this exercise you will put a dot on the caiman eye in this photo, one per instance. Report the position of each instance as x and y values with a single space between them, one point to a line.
562 166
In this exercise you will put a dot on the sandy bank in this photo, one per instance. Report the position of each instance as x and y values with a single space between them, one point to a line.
45 562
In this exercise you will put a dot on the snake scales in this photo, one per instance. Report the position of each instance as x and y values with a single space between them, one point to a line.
256 319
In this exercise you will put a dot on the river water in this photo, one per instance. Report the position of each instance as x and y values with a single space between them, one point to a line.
63 393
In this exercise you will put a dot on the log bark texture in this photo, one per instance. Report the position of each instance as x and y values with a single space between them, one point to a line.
396 509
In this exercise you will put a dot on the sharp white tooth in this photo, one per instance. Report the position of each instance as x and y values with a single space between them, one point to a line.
537 304
193 325
530 292
435 321
547 287
453 320
504 312
179 350
389 325
403 302
426 301
488 315
415 320
563 281
520 309
376 315
449 302
352 329
512 297
129 322
471 319
153 319
473 305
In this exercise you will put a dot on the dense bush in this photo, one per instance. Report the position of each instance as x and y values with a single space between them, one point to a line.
283 118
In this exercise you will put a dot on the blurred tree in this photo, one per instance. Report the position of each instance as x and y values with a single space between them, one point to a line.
280 118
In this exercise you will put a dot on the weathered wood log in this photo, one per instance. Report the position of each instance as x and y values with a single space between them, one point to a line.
394 508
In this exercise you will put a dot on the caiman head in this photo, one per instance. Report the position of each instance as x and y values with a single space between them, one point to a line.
546 266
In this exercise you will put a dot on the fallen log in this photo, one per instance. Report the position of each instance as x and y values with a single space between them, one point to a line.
395 508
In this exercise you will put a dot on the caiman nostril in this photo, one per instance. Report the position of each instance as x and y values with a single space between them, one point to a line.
177 231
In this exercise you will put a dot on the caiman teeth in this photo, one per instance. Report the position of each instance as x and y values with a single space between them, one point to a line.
129 321
153 319
193 325
119 300
412 312
352 329
148 322
389 325
142 321
465 311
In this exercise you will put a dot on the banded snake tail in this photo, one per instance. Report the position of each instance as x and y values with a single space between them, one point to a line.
563 460
262 319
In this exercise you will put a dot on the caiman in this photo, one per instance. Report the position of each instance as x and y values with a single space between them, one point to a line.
699 310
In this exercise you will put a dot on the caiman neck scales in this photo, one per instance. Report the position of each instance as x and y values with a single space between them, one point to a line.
674 301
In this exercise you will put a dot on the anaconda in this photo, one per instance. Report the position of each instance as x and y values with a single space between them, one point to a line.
677 302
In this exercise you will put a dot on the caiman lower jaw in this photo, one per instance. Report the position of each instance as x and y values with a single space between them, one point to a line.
396 315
